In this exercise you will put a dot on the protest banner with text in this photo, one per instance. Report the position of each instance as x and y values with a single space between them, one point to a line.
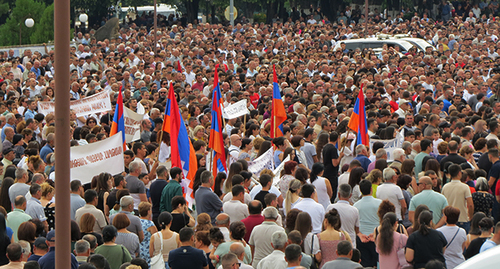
93 104
103 156
132 124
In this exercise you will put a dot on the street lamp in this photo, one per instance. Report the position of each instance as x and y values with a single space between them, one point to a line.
83 19
29 22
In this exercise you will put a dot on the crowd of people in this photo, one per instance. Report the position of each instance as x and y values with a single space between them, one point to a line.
430 203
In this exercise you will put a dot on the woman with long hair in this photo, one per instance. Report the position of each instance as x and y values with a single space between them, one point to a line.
474 231
322 140
323 186
292 195
389 242
234 169
180 214
287 176
425 244
103 187
354 178
472 248
170 239
4 240
300 157
404 182
4 193
219 184
202 242
291 218
310 241
407 169
416 225
331 236
264 147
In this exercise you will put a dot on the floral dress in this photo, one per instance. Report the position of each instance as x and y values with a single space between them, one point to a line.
144 248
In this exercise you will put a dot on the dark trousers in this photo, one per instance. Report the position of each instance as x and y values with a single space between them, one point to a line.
368 253
334 182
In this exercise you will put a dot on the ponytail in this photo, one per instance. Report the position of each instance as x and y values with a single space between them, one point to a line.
293 187
425 221
386 238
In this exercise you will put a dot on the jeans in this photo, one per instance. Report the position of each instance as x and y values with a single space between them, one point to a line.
464 225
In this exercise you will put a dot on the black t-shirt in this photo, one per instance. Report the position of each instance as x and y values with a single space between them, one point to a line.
155 192
426 247
474 247
330 153
260 197
454 158
179 221
484 163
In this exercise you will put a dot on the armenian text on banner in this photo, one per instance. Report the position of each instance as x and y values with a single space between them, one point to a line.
93 104
92 159
132 124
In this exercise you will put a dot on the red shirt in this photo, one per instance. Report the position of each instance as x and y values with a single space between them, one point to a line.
254 99
252 221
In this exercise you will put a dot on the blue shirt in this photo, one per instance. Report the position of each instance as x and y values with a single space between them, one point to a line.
45 151
187 257
36 71
447 104
368 217
48 261
29 114
364 161
2 135
487 245
207 202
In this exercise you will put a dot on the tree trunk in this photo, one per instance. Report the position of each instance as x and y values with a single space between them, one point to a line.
192 10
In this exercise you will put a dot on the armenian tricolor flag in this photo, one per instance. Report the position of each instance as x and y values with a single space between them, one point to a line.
182 153
357 122
118 124
216 142
278 113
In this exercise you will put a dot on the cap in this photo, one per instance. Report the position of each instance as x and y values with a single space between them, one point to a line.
6 151
444 124
51 236
40 242
403 101
16 139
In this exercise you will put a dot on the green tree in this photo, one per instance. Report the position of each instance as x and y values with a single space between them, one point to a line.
23 9
45 30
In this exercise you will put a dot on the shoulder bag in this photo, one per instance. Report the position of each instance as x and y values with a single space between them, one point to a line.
157 261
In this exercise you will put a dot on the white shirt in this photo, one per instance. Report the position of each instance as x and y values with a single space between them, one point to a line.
275 260
236 210
453 253
320 185
392 192
315 210
349 217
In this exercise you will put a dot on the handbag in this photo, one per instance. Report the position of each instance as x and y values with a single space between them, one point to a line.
401 254
314 264
157 261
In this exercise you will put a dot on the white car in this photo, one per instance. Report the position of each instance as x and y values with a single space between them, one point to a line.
374 43
487 259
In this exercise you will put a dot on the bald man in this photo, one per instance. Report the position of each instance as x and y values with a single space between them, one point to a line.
434 200
234 149
222 221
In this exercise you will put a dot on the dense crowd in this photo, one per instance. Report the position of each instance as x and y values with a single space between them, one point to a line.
430 203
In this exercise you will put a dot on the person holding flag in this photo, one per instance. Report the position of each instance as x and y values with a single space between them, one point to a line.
118 124
357 122
278 116
216 142
182 153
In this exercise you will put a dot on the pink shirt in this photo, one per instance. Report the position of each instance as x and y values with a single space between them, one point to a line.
391 261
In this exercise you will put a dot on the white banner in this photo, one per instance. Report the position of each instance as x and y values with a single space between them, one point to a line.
264 161
103 156
235 110
277 171
94 104
389 146
132 124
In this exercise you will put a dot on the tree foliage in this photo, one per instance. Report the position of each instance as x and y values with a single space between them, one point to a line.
45 29
22 10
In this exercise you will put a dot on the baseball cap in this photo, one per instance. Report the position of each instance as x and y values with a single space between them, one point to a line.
40 242
51 236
